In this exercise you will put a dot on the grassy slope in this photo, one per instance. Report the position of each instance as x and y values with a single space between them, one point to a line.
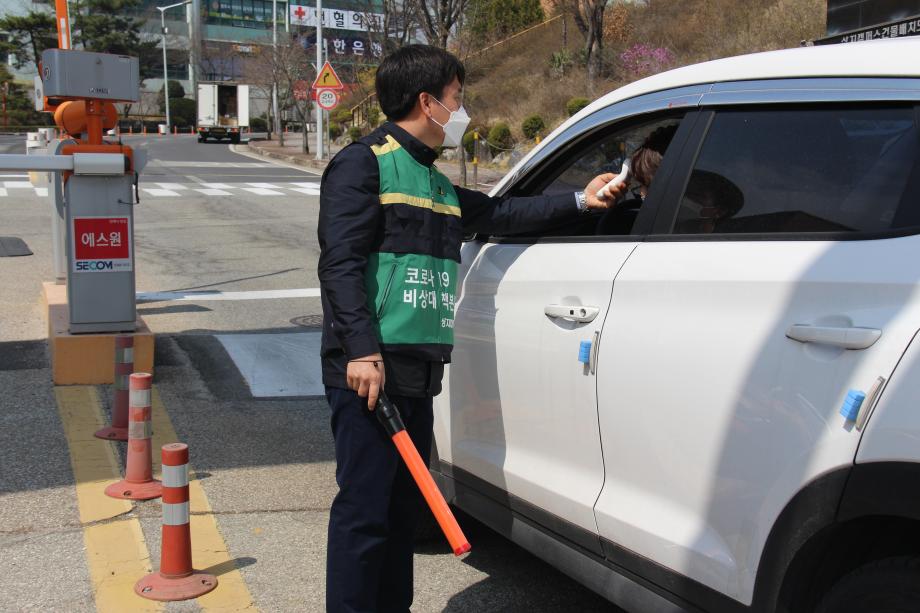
514 80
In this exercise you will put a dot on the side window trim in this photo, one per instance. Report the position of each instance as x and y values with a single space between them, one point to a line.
674 170
670 204
666 212
649 208
681 98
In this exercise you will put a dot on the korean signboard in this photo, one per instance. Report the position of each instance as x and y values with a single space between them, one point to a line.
347 46
906 27
339 19
101 244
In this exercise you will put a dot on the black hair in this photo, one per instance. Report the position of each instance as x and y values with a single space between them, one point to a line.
647 158
411 70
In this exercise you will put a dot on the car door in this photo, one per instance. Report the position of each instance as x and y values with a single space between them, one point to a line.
771 287
518 418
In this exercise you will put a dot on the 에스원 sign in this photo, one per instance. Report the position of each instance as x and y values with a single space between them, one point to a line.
101 244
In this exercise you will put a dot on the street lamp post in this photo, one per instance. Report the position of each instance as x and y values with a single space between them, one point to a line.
163 10
319 66
276 125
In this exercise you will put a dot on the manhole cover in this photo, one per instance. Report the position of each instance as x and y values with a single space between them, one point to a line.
308 321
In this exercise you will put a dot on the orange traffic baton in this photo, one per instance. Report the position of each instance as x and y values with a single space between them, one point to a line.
124 366
176 579
389 416
138 483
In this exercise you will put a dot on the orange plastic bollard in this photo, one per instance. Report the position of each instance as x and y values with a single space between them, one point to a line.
177 579
389 416
124 367
138 483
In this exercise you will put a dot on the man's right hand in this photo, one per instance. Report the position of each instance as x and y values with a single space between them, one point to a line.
367 377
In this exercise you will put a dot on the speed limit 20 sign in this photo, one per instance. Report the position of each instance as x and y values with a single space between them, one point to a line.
328 99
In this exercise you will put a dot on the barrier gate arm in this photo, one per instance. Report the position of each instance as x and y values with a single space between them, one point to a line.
104 164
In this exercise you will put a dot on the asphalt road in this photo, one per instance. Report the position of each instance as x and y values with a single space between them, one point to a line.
226 260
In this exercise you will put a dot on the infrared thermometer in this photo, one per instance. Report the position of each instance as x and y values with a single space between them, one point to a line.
617 180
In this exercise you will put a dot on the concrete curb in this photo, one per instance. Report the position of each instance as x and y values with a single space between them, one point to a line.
296 160
291 159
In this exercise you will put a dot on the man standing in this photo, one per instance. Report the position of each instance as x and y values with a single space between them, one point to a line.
390 229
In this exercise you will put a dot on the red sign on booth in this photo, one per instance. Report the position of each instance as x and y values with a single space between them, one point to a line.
101 244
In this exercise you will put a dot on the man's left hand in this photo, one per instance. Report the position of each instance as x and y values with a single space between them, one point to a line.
610 195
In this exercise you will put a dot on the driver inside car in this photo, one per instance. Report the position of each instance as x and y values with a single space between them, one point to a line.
643 165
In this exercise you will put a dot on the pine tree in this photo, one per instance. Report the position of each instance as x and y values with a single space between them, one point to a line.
112 26
28 35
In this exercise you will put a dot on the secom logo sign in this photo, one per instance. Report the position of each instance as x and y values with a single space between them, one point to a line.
95 266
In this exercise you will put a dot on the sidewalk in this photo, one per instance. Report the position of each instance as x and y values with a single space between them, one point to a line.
291 153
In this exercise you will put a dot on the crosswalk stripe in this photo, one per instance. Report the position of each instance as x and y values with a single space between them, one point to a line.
41 192
310 191
263 185
213 192
263 191
172 186
186 163
17 185
2 192
308 184
216 185
159 192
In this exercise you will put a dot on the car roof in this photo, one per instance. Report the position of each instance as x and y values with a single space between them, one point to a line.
882 58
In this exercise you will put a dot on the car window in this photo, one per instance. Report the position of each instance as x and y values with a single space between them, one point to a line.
804 170
606 154
598 154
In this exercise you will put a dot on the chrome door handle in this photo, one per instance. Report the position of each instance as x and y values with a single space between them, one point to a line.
844 337
575 312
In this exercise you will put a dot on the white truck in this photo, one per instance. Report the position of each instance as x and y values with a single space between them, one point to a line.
223 111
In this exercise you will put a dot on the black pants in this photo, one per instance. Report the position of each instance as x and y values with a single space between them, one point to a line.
373 517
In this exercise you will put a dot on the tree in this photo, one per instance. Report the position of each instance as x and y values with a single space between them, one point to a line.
20 110
289 68
28 36
183 111
111 26
589 17
496 19
400 21
175 91
438 18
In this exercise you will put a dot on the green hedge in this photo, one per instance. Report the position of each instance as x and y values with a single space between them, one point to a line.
532 126
500 139
576 104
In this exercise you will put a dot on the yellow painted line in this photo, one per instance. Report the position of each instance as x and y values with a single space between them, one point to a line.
116 552
208 546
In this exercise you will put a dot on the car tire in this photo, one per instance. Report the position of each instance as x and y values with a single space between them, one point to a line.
891 585
201 140
235 140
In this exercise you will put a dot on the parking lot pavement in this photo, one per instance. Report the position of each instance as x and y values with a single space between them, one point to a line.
261 461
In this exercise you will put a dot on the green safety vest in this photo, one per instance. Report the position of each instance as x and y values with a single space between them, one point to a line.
411 276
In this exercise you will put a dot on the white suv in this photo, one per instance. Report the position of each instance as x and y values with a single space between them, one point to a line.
685 409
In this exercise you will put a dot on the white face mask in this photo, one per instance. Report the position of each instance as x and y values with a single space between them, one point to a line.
455 127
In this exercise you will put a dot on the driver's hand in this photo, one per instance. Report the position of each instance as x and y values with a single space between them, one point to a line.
610 195
367 377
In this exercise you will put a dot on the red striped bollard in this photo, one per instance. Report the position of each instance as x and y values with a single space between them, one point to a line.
138 483
176 579
124 366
